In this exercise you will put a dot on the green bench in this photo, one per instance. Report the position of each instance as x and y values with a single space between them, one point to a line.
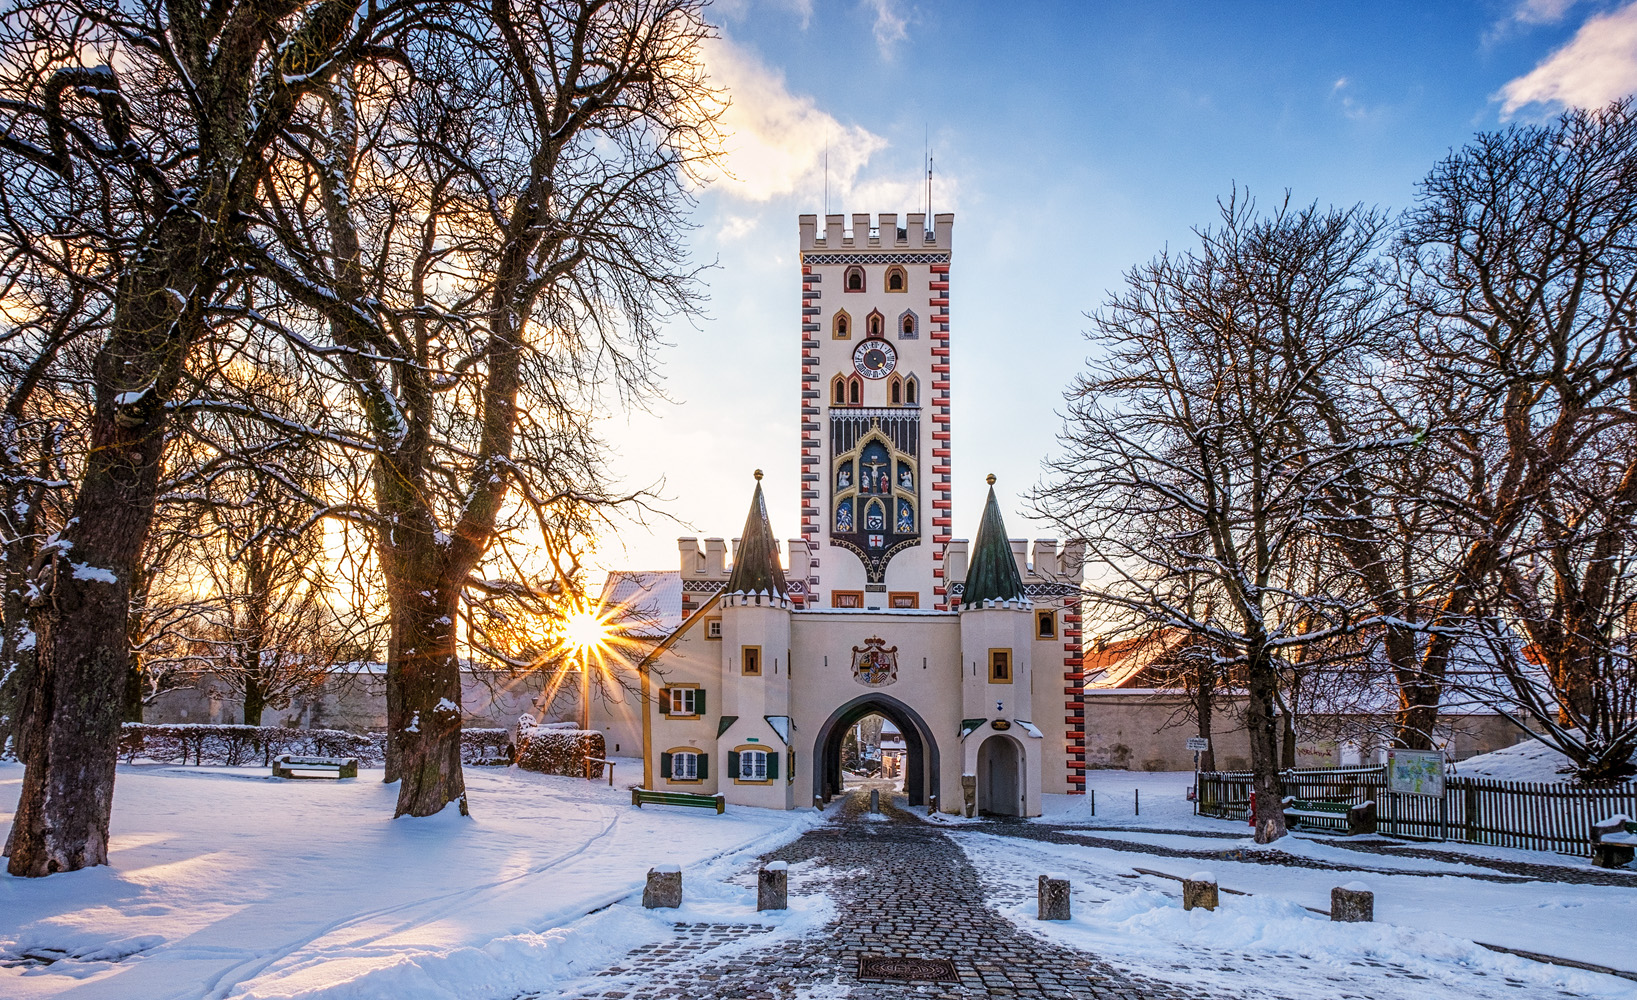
286 766
644 795
1310 814
1614 842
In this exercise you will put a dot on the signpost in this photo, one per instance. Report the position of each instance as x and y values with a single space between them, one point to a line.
1196 744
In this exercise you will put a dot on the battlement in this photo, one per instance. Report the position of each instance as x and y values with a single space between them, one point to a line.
883 233
711 562
1050 564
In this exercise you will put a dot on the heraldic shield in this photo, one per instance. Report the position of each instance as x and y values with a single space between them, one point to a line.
873 665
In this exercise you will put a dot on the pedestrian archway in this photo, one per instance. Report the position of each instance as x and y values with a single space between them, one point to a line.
1000 777
920 748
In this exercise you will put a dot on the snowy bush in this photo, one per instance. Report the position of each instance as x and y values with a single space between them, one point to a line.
550 750
247 746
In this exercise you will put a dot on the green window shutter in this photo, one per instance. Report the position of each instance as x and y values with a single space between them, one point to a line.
665 766
704 766
733 763
772 765
792 775
699 702
665 709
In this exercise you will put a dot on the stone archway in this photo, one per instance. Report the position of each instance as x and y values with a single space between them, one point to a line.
1000 776
921 756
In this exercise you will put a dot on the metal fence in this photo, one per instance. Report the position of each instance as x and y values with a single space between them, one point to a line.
1537 817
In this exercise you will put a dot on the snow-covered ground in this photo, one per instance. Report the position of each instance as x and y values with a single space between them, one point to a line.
226 883
1530 760
1429 913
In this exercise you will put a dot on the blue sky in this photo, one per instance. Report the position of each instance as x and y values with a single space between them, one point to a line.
1072 141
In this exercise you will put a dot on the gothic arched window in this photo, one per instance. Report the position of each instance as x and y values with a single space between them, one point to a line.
873 324
909 391
842 326
838 391
897 281
895 391
854 281
909 326
855 390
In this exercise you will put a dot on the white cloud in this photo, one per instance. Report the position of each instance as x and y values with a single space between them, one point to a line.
1597 65
1541 11
776 140
739 10
891 24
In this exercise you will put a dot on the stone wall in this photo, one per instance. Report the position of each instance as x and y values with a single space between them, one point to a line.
1146 730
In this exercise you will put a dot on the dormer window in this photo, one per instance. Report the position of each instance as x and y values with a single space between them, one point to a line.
854 281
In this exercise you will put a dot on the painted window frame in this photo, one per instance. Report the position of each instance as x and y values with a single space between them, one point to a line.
1045 624
692 701
903 276
713 628
914 597
837 595
875 326
847 279
841 326
749 655
695 755
744 753
911 391
1006 660
909 319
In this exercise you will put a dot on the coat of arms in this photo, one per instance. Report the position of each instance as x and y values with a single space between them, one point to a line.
874 665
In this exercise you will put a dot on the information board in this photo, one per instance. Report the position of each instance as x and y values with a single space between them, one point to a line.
1415 772
1198 743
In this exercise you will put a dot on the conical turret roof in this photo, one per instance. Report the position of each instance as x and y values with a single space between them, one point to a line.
992 574
756 569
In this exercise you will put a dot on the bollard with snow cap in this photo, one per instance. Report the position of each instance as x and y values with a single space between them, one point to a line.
1199 889
1352 903
664 889
773 886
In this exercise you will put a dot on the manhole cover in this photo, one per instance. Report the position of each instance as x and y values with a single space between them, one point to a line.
930 970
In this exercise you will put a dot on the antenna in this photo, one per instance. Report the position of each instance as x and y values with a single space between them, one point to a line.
926 155
826 175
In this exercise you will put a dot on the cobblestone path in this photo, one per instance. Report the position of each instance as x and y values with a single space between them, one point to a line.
902 889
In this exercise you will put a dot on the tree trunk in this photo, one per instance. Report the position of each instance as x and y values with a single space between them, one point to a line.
395 705
77 697
254 700
429 691
1262 729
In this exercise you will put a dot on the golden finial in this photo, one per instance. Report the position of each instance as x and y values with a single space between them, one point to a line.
758 475
991 479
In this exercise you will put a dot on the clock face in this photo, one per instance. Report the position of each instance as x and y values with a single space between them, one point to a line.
875 358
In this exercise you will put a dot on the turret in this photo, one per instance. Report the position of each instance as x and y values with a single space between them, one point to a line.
755 653
996 618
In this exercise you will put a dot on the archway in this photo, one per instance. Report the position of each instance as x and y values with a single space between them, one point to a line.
1000 776
920 748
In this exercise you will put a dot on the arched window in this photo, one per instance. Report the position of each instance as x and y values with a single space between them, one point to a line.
897 281
842 326
873 323
909 391
854 281
895 391
838 391
855 390
909 326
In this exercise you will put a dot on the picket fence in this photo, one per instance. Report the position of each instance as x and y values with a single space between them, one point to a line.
1536 817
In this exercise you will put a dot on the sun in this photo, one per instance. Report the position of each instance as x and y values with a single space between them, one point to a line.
585 629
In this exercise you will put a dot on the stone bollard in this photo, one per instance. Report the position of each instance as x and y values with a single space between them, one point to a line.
969 792
875 800
1199 889
1352 903
664 887
773 886
1054 897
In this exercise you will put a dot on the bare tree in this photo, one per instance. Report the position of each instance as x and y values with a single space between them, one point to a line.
137 185
1189 467
495 242
1520 258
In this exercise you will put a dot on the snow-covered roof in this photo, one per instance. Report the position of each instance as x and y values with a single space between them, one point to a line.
651 600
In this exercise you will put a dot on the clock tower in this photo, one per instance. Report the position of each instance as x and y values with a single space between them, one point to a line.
875 410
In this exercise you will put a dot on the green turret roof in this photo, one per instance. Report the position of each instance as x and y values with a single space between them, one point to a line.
992 574
756 569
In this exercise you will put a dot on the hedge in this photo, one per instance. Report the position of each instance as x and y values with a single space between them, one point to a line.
245 746
560 751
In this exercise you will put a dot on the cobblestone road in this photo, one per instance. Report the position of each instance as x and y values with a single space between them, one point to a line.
902 889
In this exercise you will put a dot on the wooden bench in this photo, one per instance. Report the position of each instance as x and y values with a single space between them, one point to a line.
286 766
642 795
1356 819
1614 842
